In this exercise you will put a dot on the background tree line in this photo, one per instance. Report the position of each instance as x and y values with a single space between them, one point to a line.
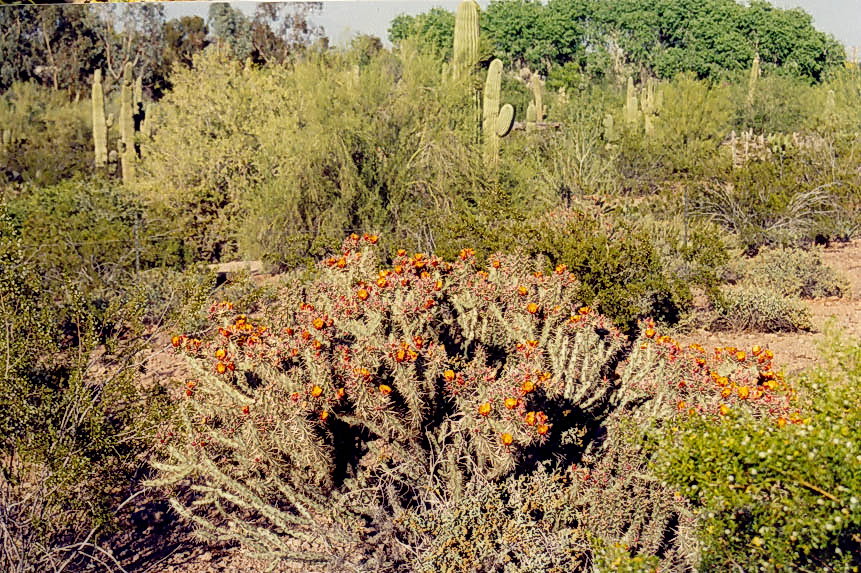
59 46
657 37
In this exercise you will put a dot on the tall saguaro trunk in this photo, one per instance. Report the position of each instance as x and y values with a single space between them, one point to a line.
127 126
100 126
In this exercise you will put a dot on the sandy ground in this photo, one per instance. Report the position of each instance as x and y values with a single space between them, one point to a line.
797 351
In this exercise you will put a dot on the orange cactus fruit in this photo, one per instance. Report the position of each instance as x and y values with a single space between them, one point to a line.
507 439
741 355
437 285
756 350
448 375
584 310
385 389
245 410
542 429
650 332
561 269
382 282
781 422
532 343
724 410
339 393
743 392
191 384
221 368
495 263
529 418
401 253
316 391
527 387
400 355
363 294
726 392
324 414
319 323
372 239
484 409
522 290
682 405
511 403
531 308
175 341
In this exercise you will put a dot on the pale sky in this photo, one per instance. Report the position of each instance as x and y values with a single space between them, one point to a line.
344 18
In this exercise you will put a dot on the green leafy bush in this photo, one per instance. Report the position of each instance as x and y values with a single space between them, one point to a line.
777 495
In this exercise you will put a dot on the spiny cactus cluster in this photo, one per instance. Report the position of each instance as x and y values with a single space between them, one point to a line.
309 433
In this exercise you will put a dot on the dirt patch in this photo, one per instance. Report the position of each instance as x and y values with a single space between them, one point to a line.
798 351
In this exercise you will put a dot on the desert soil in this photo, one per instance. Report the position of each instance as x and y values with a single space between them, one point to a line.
794 352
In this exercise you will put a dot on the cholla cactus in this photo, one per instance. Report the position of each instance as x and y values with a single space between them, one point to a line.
661 379
368 390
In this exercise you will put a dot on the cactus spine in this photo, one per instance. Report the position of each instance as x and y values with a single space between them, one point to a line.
496 121
100 125
127 126
466 35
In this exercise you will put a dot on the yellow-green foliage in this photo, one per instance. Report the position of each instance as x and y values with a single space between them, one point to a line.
282 162
778 496
759 309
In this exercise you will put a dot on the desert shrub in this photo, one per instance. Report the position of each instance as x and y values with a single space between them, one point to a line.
778 495
618 269
74 422
49 137
93 233
783 201
375 393
759 309
792 272
324 148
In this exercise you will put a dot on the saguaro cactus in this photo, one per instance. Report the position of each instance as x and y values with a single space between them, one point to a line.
127 126
650 104
497 121
100 126
537 97
466 35
755 72
632 113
